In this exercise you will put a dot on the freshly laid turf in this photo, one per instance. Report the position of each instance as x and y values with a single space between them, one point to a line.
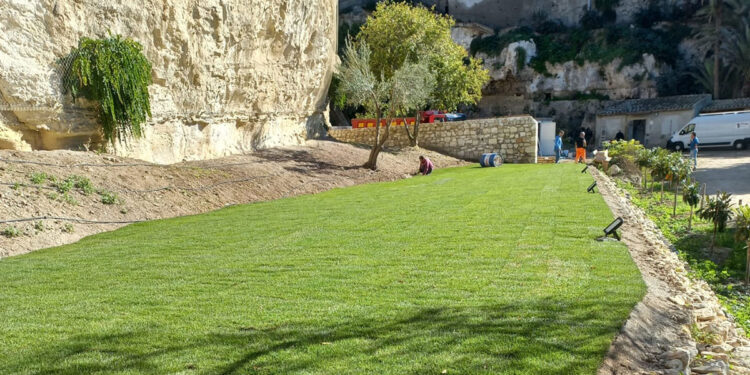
469 270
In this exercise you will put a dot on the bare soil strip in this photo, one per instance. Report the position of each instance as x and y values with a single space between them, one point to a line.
149 191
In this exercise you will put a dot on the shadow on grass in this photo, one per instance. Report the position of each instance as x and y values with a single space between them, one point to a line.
539 336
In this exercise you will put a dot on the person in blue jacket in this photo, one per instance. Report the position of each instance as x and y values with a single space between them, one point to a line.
694 142
558 146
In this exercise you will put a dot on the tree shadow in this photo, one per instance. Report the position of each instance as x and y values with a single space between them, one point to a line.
304 162
530 336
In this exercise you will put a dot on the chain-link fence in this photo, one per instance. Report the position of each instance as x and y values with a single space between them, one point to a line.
60 68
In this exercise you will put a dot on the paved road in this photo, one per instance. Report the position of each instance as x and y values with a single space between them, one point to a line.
726 171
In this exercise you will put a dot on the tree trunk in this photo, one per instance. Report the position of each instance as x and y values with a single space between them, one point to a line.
662 190
690 221
717 47
372 161
674 208
413 136
713 239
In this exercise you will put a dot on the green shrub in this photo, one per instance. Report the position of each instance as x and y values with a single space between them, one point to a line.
68 228
69 199
63 186
82 183
520 58
114 73
108 197
38 178
10 232
39 226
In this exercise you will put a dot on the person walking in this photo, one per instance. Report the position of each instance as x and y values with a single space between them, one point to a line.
620 136
581 148
694 142
558 146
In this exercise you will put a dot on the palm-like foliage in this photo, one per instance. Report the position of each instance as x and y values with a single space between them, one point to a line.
718 210
722 38
739 49
692 196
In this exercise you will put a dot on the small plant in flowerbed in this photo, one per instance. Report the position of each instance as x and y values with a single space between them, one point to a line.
10 231
109 197
38 178
68 228
694 236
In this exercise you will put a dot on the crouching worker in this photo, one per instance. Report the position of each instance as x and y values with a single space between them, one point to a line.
425 166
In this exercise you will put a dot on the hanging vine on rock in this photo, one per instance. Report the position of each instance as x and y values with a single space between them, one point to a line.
113 72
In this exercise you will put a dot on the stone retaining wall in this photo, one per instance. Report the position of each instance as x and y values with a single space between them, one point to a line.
514 138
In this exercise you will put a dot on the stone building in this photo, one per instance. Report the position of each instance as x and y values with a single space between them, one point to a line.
653 121
649 121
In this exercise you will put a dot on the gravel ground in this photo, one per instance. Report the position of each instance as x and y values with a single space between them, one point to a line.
726 171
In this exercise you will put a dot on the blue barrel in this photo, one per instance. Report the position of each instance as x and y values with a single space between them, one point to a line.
490 160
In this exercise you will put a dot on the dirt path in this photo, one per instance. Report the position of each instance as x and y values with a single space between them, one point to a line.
148 191
726 171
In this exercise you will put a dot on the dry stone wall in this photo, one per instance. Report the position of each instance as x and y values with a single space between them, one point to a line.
228 76
514 138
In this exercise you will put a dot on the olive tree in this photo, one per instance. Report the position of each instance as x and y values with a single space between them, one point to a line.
399 33
407 88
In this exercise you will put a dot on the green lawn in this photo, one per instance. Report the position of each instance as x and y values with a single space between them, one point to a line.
469 270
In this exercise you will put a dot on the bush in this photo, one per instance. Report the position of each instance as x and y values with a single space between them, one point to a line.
648 16
68 228
591 20
114 73
38 178
74 181
10 232
108 197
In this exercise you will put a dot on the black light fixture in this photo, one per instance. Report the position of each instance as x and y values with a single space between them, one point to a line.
585 169
612 228
591 188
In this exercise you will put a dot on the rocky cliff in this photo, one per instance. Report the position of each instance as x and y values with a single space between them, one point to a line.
505 13
229 76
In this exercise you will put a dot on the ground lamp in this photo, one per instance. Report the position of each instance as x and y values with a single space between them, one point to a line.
585 169
591 188
612 228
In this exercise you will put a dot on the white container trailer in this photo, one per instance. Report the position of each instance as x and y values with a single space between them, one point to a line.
730 129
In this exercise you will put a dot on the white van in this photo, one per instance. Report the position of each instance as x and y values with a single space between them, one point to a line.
731 129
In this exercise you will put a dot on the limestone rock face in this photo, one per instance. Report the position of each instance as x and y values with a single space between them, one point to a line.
229 76
632 81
